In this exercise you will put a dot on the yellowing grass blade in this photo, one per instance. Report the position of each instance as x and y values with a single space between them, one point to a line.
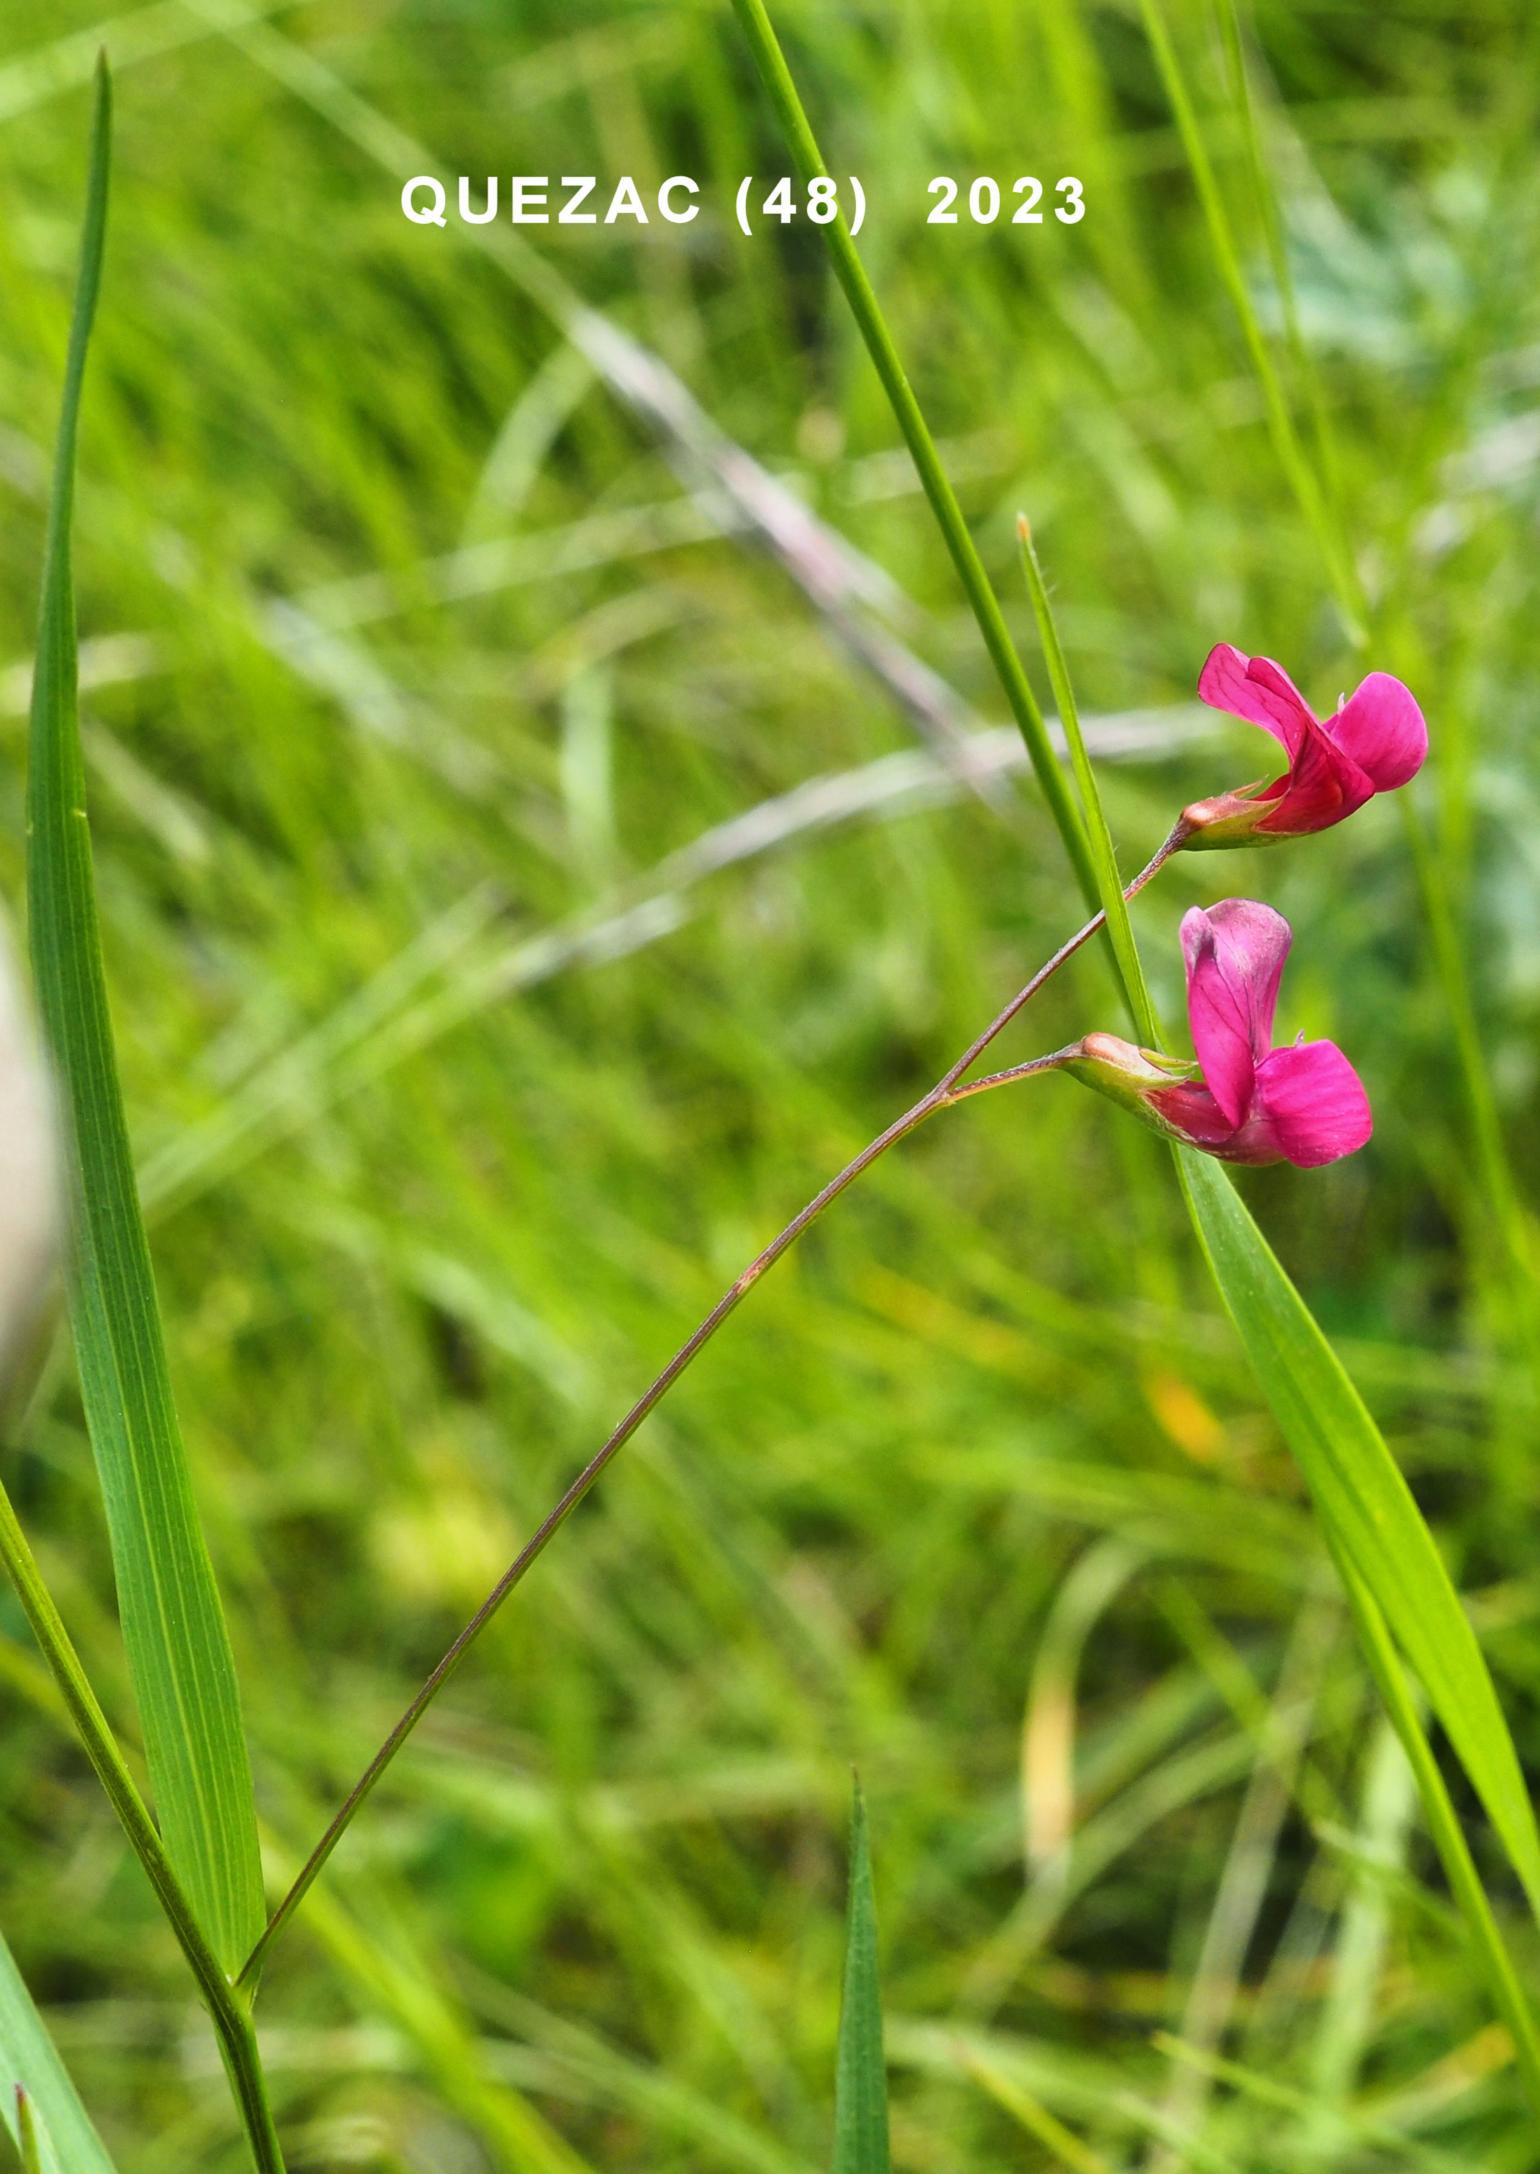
178 1648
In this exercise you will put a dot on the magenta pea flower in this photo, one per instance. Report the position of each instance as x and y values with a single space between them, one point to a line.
1375 741
1243 1100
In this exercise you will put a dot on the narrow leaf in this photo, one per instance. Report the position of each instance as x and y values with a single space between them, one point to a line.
861 2083
35 2089
1104 859
1492 1958
178 1648
1364 1502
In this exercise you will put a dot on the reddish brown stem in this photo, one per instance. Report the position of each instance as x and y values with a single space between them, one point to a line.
940 1096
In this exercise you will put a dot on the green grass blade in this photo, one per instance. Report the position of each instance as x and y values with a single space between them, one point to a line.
63 2140
1291 453
861 296
1493 1959
1104 861
861 2081
1364 1502
174 1631
1306 376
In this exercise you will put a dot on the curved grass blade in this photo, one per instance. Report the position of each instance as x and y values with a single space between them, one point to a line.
1292 458
1492 1958
35 2089
850 271
861 2080
177 1644
1104 860
1367 1508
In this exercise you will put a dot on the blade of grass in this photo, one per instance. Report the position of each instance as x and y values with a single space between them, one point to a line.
173 1628
1444 1825
1305 372
1291 453
1063 2146
36 2093
867 312
1517 1263
1368 1510
1103 855
1377 2135
861 2079
230 2013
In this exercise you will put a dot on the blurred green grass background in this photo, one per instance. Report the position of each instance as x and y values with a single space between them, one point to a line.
469 1056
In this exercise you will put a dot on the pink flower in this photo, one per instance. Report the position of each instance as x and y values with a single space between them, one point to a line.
1244 1100
1376 741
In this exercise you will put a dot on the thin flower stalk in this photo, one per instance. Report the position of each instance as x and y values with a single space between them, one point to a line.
949 1089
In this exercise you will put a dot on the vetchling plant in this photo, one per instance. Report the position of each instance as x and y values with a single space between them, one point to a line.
1240 1099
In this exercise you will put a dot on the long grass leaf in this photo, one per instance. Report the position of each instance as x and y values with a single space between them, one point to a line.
1493 1959
230 2013
859 293
178 1647
63 2138
861 2081
1104 862
1367 1508
1286 441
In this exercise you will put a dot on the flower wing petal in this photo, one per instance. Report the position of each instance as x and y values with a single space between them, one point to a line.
1313 1102
1323 787
1258 690
1381 729
1234 954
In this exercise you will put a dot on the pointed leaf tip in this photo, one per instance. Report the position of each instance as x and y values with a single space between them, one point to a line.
178 1648
861 2088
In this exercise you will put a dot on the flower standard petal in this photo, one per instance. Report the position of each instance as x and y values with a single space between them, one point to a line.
1234 954
1313 1104
1258 690
1381 729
